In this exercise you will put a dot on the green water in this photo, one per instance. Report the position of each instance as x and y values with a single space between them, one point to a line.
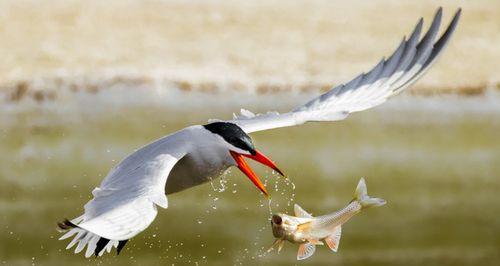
440 176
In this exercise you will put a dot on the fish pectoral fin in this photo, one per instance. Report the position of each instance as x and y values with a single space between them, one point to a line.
333 240
278 242
299 212
306 250
280 245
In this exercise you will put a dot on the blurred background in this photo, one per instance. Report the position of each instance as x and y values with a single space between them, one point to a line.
84 83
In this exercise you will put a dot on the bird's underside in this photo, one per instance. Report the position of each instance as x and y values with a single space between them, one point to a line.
187 173
126 201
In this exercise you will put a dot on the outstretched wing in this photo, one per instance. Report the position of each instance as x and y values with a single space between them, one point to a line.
125 202
407 64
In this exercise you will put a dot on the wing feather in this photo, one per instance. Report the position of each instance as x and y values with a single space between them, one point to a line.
126 201
387 78
122 209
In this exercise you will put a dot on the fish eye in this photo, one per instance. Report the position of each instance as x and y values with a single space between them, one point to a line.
277 219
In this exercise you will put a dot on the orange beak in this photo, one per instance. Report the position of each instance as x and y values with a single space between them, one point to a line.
259 157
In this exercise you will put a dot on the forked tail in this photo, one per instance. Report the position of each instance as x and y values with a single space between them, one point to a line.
361 195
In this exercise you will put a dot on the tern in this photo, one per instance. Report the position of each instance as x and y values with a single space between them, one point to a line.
126 201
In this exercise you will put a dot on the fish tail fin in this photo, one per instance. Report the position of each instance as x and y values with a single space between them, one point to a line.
361 195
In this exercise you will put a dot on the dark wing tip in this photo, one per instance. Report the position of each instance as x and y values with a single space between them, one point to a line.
420 22
100 245
436 21
121 244
66 225
449 30
438 16
439 11
457 14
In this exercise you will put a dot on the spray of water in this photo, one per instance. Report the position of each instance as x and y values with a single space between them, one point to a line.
282 198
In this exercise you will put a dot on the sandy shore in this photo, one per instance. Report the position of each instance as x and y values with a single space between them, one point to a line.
49 46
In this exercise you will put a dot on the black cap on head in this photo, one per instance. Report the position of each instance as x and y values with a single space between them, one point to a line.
233 134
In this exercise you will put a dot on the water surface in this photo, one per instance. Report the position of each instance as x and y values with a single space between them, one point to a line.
436 161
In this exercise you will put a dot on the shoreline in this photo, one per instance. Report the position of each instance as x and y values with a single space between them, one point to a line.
58 89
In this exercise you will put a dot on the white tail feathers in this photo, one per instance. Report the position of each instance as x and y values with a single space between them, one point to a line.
82 238
361 195
85 238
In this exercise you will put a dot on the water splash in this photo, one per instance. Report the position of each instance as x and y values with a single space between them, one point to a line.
222 181
285 188
282 197
282 192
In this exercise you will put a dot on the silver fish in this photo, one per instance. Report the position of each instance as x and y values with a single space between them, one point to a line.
309 231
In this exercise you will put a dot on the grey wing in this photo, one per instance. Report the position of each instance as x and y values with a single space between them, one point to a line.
412 58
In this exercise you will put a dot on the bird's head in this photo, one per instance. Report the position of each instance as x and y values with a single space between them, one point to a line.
240 145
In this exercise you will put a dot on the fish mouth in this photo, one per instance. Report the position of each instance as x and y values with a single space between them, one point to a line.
277 227
276 219
245 168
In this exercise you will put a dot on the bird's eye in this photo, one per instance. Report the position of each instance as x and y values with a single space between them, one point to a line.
277 219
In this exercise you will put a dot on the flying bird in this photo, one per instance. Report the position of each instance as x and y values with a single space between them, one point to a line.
126 201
